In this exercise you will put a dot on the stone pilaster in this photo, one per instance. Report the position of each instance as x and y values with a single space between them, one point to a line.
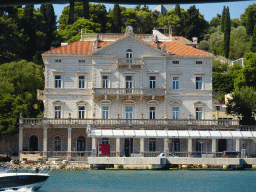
142 147
117 147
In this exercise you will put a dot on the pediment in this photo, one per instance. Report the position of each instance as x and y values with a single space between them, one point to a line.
105 102
152 102
199 103
175 103
81 102
129 102
118 48
58 102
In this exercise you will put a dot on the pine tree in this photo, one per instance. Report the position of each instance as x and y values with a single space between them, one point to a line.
86 9
28 25
253 46
250 23
227 30
50 26
116 19
177 10
223 19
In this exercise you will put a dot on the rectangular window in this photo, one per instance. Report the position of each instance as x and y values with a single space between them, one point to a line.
199 112
128 114
175 83
152 113
176 62
57 112
105 112
198 82
199 62
217 108
81 82
57 60
105 81
128 84
176 144
57 81
152 144
81 61
175 112
81 111
152 82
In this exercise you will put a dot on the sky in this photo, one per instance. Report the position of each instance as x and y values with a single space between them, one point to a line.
209 10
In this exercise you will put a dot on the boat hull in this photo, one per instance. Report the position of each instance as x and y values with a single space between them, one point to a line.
14 181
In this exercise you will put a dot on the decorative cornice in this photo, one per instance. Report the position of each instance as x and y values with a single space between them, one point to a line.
175 103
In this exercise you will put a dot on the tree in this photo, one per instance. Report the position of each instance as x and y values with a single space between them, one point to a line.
50 27
243 102
216 21
239 43
194 24
223 19
19 82
253 45
173 20
250 23
247 75
29 26
177 10
116 19
70 33
227 30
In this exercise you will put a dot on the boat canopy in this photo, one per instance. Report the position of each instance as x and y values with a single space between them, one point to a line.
116 133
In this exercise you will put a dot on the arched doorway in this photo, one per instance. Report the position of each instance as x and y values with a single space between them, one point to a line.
57 143
33 143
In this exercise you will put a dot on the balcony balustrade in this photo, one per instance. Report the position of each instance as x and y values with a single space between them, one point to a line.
129 61
153 123
128 91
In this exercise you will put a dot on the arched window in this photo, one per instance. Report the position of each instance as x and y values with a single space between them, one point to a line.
33 143
105 141
57 143
81 144
129 56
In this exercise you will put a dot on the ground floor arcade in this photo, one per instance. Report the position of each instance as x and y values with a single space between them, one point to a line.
77 142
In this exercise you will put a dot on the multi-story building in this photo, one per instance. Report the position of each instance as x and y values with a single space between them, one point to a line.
124 82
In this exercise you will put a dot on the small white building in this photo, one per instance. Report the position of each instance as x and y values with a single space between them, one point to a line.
125 82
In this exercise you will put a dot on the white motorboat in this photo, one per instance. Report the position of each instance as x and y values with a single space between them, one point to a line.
14 180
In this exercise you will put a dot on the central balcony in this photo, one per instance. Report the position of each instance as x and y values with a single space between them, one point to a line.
128 92
129 62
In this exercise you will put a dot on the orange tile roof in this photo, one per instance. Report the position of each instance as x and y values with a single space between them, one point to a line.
179 49
77 47
183 40
85 47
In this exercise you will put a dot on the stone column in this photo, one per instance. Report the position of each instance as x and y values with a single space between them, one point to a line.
189 146
118 147
45 142
237 145
20 139
142 147
166 145
69 142
214 147
93 146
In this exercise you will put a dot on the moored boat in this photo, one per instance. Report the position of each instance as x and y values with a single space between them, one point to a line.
15 180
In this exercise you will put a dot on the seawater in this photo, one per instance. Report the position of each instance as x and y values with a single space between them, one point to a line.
149 180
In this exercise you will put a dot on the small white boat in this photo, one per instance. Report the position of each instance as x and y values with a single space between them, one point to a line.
14 180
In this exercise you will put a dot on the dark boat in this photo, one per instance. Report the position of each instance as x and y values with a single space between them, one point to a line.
16 180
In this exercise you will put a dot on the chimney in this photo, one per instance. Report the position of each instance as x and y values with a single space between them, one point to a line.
195 39
98 42
163 48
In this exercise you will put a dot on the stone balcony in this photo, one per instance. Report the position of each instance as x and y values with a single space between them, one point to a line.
129 62
119 92
131 123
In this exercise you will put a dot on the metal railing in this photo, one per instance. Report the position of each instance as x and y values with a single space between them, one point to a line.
159 122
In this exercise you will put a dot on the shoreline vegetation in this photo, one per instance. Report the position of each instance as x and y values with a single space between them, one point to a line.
65 165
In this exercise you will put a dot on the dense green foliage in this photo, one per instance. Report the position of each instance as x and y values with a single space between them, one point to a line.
227 30
19 82
243 102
